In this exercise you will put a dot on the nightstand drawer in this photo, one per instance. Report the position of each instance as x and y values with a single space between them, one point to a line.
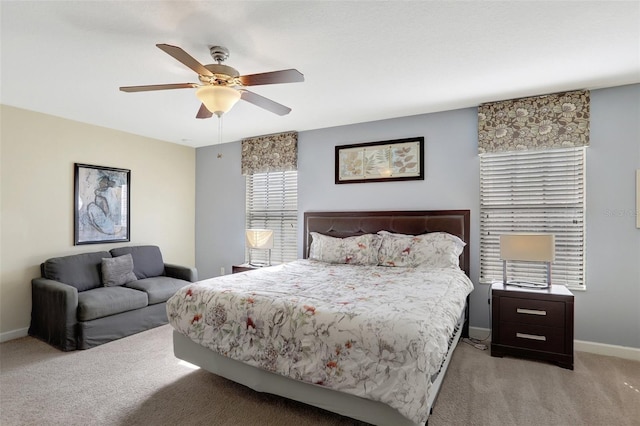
535 337
242 268
529 311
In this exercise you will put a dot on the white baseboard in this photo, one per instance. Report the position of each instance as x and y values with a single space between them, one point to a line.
480 333
605 349
14 334
580 345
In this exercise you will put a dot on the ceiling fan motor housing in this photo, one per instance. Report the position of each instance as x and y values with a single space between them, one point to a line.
222 75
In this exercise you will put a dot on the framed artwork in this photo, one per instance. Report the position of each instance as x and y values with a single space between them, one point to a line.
399 159
101 201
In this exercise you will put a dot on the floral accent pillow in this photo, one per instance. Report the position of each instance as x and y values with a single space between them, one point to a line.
432 250
357 250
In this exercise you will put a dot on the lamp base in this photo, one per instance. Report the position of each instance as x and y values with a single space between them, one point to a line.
527 284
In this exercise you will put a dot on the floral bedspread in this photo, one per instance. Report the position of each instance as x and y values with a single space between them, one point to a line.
372 331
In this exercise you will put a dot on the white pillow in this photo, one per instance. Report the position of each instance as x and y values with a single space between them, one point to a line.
357 250
432 250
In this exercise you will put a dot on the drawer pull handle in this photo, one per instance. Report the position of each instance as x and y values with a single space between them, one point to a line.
530 311
531 337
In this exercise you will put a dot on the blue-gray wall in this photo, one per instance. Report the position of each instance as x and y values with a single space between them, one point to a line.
607 312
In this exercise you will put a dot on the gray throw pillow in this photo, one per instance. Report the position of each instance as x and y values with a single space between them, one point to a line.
117 271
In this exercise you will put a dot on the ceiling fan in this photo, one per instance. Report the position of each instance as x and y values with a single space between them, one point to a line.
221 86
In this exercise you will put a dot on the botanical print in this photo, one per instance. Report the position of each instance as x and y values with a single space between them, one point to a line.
101 203
404 159
270 153
352 164
379 161
376 161
559 120
356 329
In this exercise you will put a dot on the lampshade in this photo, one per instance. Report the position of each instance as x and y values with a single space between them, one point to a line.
529 247
259 238
218 99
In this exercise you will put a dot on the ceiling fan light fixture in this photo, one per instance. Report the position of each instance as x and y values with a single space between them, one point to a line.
218 99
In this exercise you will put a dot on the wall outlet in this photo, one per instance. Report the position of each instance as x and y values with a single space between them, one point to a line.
222 270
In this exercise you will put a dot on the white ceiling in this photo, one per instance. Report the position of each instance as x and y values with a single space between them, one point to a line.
362 61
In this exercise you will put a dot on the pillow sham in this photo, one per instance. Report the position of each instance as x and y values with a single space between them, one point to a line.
356 250
432 250
117 270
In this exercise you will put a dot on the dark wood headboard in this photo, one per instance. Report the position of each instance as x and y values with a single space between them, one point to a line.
347 224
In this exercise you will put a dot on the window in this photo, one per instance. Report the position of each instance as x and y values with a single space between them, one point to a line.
534 191
272 203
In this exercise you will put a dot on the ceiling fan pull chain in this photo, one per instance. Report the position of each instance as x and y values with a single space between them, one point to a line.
219 135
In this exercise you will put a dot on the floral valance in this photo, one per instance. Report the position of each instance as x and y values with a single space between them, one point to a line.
270 153
559 120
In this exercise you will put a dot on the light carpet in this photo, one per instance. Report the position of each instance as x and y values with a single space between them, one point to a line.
138 381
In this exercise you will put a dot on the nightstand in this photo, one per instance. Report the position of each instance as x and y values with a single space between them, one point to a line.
534 323
243 268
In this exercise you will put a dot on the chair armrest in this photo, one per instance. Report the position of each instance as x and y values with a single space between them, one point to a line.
181 272
54 313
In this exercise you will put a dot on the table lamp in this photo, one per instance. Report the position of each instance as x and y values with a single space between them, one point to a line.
261 239
528 247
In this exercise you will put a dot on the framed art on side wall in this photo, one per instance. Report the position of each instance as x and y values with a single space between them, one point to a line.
101 200
399 159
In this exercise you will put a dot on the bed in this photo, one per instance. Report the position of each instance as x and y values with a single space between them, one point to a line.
369 342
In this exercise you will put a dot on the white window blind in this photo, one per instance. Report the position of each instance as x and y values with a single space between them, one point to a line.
534 191
272 203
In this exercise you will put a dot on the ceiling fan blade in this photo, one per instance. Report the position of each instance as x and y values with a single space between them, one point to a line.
185 58
274 77
265 103
203 112
158 87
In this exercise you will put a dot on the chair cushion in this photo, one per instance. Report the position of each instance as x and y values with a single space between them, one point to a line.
147 260
104 301
81 271
158 289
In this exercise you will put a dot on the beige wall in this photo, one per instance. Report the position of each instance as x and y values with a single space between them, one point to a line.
38 153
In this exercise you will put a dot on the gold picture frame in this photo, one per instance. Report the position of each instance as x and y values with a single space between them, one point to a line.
399 159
